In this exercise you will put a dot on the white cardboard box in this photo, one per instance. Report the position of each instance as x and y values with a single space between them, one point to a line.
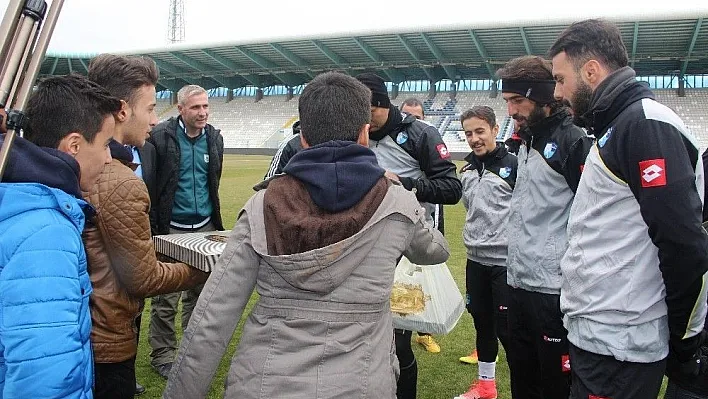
200 250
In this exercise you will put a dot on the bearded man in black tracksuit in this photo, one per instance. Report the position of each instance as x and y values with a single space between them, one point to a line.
413 153
634 275
550 162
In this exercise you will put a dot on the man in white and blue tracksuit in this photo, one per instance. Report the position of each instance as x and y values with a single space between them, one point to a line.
488 181
551 159
634 274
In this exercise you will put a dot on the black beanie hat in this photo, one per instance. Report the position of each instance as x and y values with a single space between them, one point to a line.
379 94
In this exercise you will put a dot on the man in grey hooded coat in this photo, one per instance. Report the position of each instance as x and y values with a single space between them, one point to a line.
320 244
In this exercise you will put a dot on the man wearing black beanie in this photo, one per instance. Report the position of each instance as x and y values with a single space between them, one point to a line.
379 92
413 153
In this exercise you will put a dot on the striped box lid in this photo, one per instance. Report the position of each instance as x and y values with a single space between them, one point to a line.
199 250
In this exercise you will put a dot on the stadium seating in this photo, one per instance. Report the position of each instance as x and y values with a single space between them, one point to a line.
691 109
245 123
467 100
165 109
249 124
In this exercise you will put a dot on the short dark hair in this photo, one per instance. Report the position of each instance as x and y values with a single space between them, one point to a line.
592 39
333 106
481 112
413 102
65 104
122 76
528 67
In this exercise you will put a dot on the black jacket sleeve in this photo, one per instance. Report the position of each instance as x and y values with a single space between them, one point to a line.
705 185
440 184
220 151
148 158
281 158
658 163
157 189
575 162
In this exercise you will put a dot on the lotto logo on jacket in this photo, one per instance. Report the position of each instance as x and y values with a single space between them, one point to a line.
565 363
653 173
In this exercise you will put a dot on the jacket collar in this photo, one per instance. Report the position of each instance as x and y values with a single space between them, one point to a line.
612 96
491 157
29 163
392 124
545 126
337 174
183 129
122 153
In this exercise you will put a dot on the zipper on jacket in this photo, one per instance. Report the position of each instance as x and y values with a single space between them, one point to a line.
528 149
194 182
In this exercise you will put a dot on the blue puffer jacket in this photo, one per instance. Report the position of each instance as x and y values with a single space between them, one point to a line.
45 323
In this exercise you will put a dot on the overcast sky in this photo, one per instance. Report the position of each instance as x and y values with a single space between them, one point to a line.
92 26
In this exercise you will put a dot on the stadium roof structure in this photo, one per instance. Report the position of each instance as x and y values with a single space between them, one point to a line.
677 45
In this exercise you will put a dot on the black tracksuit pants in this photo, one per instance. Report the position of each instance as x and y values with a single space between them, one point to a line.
114 380
488 303
599 377
407 386
538 355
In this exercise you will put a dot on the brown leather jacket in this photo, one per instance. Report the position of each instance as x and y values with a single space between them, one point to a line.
122 263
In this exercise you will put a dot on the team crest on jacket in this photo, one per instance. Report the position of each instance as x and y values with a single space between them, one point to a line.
206 158
504 172
401 138
442 150
550 150
605 137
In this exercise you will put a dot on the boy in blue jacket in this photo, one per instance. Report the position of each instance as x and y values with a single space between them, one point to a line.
45 322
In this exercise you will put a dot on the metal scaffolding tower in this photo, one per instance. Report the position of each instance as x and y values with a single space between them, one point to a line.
175 24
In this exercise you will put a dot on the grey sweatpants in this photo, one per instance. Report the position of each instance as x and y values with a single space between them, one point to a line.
162 337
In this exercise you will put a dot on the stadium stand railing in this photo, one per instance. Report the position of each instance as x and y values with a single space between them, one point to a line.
691 109
265 124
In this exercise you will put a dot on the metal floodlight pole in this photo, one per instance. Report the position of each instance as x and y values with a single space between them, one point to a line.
23 51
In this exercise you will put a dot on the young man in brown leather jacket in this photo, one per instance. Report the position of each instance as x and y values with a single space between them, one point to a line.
121 256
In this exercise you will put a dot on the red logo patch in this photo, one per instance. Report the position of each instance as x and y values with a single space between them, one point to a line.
565 363
442 150
597 397
653 172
